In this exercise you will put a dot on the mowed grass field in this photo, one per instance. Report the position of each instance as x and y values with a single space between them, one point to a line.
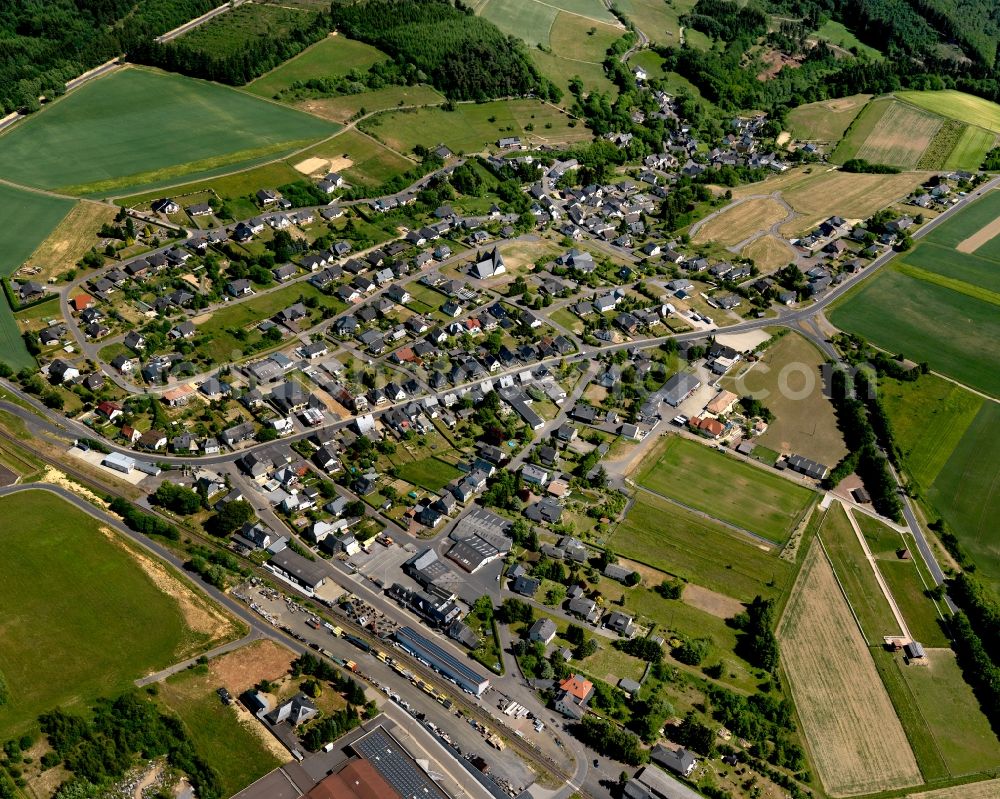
805 422
346 107
332 57
469 127
659 21
29 218
667 537
957 105
740 221
81 619
855 738
826 120
136 127
735 492
370 161
769 253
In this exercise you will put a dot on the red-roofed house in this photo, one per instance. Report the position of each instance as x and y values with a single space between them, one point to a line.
710 428
574 693
81 302
112 410
130 434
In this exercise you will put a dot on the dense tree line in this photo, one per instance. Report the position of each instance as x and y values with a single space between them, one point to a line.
464 56
323 669
757 643
48 42
257 55
141 522
982 609
977 666
606 736
861 165
99 750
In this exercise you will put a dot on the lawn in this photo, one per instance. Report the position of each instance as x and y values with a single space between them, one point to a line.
965 491
702 478
856 576
359 158
671 539
957 105
472 127
137 126
332 57
837 34
430 473
929 418
826 120
892 310
949 733
346 107
79 598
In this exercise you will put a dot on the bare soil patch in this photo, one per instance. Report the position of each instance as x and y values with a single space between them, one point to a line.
988 789
857 742
247 666
311 165
980 237
774 62
718 605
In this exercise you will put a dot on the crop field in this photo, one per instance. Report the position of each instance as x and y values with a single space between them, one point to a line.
929 419
136 127
236 30
856 741
957 105
738 222
962 226
114 626
953 721
827 120
29 218
346 107
679 542
892 310
855 575
469 127
332 57
805 422
362 160
735 492
900 136
966 491
971 148
769 253
975 271
861 128
228 737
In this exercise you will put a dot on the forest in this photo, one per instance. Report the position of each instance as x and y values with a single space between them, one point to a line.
464 56
48 42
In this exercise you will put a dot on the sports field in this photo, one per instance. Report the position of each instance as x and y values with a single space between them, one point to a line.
330 58
667 537
81 617
740 221
760 501
805 423
472 127
856 741
826 120
136 127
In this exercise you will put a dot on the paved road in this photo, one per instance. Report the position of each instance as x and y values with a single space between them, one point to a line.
194 23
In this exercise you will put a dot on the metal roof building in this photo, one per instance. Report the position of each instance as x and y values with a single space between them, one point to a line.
394 764
446 663
678 388
305 572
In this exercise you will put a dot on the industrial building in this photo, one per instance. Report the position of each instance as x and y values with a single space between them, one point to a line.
450 666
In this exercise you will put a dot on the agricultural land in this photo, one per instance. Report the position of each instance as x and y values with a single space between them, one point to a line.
855 737
739 222
134 127
333 56
120 621
827 120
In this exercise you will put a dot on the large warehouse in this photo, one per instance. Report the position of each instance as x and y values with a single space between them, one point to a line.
444 662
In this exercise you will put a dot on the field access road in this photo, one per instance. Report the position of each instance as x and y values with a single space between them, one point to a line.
180 30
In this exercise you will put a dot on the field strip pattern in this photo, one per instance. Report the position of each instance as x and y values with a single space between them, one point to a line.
980 237
960 286
856 739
